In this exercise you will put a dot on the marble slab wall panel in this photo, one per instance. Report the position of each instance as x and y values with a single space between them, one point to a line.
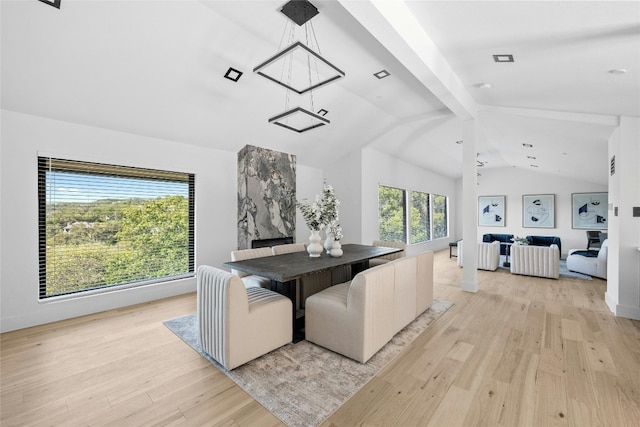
266 195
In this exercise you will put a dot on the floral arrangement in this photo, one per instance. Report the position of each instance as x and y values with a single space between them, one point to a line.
335 230
323 211
520 240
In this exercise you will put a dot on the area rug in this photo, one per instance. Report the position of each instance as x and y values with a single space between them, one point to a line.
564 271
302 384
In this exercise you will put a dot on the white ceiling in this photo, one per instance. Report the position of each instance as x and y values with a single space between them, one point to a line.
156 68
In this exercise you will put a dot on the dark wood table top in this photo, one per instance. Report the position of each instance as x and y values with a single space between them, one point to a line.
283 268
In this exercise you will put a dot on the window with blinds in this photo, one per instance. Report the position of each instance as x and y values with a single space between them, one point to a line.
392 220
103 225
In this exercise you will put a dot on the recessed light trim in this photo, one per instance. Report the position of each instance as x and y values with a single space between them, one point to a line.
524 144
531 157
382 74
54 3
486 85
618 71
503 58
233 74
459 141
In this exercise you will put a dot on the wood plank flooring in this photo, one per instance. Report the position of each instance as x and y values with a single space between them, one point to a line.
520 352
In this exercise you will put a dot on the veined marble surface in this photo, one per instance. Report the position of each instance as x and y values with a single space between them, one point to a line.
266 195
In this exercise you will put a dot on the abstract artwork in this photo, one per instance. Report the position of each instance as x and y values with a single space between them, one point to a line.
491 211
589 211
538 210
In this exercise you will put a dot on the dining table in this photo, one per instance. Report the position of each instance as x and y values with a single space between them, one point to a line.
284 271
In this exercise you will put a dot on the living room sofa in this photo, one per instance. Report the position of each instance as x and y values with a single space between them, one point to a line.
592 263
488 255
357 318
505 238
540 261
545 241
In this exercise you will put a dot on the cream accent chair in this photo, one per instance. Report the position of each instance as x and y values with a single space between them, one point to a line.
251 280
592 266
307 285
386 258
288 248
238 324
357 318
540 261
488 255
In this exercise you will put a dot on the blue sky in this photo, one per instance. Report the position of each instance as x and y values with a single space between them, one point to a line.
80 188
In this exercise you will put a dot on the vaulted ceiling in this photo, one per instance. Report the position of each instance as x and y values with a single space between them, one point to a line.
156 68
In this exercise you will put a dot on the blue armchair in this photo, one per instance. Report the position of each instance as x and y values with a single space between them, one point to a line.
492 237
544 241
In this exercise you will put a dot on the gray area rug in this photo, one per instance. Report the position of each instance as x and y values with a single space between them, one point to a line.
564 272
302 384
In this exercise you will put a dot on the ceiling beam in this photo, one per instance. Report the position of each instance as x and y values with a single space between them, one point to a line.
593 119
398 30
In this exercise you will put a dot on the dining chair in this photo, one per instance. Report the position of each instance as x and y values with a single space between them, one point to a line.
593 239
237 324
251 280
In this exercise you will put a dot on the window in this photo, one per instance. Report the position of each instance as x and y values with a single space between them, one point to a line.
103 226
420 228
440 220
392 223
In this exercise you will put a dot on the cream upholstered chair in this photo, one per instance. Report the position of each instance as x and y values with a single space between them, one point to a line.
488 255
288 248
541 261
390 257
581 262
308 285
238 324
357 318
251 280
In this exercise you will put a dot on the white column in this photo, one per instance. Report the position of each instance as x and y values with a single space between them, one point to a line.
623 265
469 207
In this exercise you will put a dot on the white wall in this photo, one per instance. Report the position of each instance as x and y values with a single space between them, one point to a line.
381 169
516 182
23 137
345 176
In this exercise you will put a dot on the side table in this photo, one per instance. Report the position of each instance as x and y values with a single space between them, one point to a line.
451 246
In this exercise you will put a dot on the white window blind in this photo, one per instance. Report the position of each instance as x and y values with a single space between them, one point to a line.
106 225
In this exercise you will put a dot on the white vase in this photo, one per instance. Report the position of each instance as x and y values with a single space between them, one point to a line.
336 249
328 242
314 248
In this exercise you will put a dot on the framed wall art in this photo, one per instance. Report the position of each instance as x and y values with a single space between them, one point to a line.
491 211
539 210
589 211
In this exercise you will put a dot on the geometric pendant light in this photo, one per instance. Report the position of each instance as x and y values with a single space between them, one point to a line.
300 69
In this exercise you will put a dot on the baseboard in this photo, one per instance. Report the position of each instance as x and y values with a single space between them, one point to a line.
626 311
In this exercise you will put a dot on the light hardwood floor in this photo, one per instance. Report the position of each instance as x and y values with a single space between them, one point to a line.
520 352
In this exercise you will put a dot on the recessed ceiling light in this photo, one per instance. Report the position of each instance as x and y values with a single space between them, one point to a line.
524 144
534 166
382 74
531 157
618 71
233 74
485 85
459 142
54 3
503 58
